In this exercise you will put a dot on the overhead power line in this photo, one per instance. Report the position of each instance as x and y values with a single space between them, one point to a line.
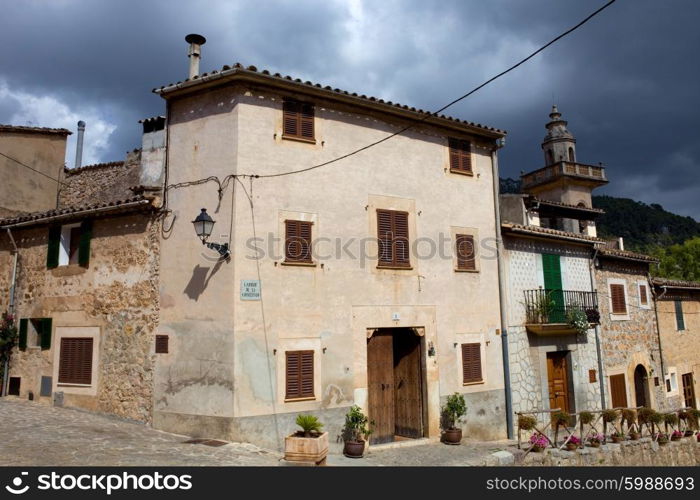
435 113
31 168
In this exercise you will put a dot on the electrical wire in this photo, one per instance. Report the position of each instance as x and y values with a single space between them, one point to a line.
33 169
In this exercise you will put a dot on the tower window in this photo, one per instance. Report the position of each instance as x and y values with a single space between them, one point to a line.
550 157
571 155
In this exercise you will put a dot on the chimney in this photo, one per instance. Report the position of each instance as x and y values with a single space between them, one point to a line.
195 52
79 145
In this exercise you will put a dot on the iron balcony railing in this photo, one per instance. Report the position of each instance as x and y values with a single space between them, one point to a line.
545 306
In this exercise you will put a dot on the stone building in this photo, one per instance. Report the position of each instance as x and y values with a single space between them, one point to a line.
44 150
549 237
629 333
343 285
678 309
85 291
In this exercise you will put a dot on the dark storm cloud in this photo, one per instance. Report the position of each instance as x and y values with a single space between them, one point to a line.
626 81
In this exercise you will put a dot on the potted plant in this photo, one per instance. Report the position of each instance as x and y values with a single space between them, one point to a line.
573 443
577 320
309 444
559 419
596 440
526 422
355 432
452 413
617 437
656 418
694 418
538 442
676 435
609 417
670 420
661 438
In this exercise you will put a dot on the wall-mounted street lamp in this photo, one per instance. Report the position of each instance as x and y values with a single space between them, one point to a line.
203 226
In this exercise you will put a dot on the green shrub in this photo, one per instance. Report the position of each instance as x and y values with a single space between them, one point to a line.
309 424
357 426
644 415
586 417
561 418
610 416
455 408
526 422
671 419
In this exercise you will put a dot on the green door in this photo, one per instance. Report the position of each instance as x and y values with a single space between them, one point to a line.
551 267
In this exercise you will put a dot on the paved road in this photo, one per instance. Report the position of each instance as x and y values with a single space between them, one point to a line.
35 434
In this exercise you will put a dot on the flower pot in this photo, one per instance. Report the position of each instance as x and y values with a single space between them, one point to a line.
662 442
537 449
634 436
354 449
571 446
616 439
675 438
298 448
452 436
688 433
594 444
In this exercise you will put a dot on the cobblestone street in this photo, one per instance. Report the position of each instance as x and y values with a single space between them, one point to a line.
40 435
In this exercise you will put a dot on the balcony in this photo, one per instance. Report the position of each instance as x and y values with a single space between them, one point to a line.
592 175
547 310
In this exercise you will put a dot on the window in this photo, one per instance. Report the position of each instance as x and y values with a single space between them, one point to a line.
460 156
392 232
161 344
466 253
571 155
680 321
471 363
671 382
75 362
69 245
298 121
297 242
643 295
617 299
299 375
35 332
550 157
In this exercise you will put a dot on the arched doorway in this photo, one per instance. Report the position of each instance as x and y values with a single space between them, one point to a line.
641 386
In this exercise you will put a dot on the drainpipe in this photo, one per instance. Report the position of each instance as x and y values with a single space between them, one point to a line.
658 328
13 281
502 292
601 378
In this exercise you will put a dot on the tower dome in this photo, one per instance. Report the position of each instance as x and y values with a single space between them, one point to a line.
559 144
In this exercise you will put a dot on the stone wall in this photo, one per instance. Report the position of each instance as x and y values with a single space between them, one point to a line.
116 296
629 342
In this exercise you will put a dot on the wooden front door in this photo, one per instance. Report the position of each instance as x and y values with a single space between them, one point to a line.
408 387
558 378
688 390
618 391
380 386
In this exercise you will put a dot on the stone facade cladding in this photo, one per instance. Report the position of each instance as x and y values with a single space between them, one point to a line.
116 296
627 343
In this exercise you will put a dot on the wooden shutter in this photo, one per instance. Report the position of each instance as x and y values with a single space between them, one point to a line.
460 155
299 374
471 363
23 327
680 321
53 247
617 295
84 247
75 362
618 391
466 255
161 344
394 242
297 241
643 297
45 325
298 120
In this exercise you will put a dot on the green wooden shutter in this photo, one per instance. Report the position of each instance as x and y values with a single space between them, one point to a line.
45 332
84 248
23 325
53 247
680 322
551 268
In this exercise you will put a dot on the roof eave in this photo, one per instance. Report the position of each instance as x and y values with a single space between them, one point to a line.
239 74
548 236
124 207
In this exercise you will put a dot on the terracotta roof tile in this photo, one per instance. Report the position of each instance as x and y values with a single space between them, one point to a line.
625 254
566 205
554 233
238 69
675 283
111 164
38 130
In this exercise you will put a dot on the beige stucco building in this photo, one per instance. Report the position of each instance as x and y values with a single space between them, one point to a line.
678 309
265 335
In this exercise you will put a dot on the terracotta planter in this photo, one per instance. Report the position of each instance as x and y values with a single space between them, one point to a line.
634 436
571 446
354 449
616 439
452 436
688 433
537 449
594 444
675 438
306 449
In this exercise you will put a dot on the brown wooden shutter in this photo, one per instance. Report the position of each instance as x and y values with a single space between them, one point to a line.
75 362
298 120
618 391
617 294
643 298
299 374
460 155
471 363
297 241
466 256
394 242
161 344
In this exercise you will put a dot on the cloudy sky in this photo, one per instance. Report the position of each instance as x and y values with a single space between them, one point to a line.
627 82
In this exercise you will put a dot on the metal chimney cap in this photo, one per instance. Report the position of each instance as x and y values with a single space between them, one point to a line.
81 124
195 38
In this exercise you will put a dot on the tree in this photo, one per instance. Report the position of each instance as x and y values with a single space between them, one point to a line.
680 262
